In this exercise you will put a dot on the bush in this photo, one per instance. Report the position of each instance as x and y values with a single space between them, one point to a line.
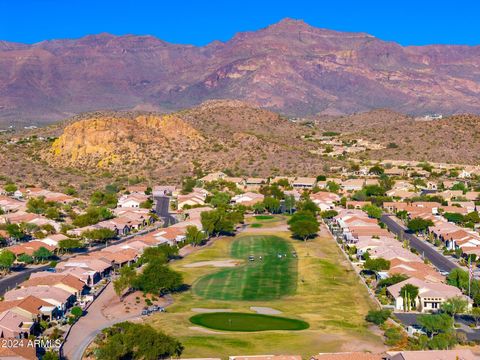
378 317
393 336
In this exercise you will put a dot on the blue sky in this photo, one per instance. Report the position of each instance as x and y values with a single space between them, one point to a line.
199 22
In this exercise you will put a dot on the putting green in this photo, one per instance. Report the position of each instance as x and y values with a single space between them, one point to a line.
270 275
264 217
233 321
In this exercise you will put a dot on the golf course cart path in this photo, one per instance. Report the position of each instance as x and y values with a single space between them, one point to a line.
206 331
88 326
265 310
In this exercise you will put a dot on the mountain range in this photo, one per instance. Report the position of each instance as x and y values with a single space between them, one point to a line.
290 67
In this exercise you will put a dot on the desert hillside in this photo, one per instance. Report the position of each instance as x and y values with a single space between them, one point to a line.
453 139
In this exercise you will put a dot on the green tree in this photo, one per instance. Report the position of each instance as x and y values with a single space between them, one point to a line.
7 258
378 264
25 258
69 245
333 186
42 254
328 214
455 305
419 225
454 217
99 235
303 225
475 313
136 341
92 216
187 185
435 324
76 312
10 188
157 279
104 199
373 211
220 199
289 203
194 236
376 170
409 294
272 204
124 281
308 205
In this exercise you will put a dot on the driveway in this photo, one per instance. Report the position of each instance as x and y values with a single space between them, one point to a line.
437 259
96 319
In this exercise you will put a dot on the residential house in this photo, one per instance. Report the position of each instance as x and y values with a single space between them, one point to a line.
32 307
253 184
132 200
430 295
352 184
15 325
266 357
351 204
8 205
22 352
348 356
248 199
65 282
213 176
304 183
60 298
325 200
456 354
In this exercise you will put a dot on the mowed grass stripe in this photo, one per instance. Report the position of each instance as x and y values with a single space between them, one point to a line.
266 279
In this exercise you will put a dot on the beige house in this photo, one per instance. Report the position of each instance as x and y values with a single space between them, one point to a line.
430 295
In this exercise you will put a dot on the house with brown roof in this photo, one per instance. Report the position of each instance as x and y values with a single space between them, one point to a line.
265 357
30 247
34 308
62 281
21 352
15 325
456 354
60 298
348 356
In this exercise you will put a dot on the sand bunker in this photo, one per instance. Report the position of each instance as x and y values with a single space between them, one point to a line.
206 331
265 310
218 263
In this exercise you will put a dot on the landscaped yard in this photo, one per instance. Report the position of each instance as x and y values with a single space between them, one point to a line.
326 294
269 274
231 321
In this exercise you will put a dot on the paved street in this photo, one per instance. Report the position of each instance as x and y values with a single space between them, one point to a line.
437 259
463 321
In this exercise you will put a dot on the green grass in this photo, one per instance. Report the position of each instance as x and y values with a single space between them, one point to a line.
266 279
264 217
256 225
235 321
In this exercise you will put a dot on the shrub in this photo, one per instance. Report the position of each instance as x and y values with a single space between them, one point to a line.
378 317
